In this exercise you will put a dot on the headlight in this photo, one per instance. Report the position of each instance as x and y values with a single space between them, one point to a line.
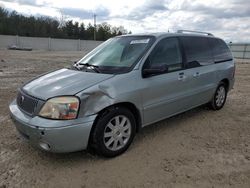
60 108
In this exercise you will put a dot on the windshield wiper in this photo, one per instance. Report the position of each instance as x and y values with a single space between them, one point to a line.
93 67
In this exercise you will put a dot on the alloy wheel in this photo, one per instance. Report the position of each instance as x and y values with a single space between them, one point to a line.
117 132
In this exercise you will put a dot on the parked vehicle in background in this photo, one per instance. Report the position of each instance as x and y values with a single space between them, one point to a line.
126 83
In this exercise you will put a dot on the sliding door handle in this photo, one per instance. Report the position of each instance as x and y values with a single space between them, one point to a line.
197 74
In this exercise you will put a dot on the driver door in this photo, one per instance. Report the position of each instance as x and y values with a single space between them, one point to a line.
165 94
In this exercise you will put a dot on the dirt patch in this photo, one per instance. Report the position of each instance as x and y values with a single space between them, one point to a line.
199 148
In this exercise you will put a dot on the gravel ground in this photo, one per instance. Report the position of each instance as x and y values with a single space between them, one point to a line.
199 148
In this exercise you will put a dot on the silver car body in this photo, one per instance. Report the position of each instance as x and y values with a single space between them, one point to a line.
153 98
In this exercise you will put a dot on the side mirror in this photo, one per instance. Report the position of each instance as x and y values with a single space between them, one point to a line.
74 66
154 70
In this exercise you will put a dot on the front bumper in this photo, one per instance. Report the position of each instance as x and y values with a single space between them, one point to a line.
58 136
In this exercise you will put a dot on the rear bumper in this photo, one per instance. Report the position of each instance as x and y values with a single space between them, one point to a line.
52 135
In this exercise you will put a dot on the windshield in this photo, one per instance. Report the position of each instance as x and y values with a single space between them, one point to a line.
118 55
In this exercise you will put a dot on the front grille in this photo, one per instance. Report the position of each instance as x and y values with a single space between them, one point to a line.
26 103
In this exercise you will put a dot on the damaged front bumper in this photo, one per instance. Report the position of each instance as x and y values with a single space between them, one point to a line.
58 136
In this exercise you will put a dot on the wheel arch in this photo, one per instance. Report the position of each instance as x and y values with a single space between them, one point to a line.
226 82
127 105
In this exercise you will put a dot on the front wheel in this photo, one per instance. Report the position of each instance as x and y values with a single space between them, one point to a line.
114 132
219 97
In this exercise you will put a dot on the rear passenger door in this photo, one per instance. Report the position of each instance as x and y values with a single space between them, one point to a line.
200 68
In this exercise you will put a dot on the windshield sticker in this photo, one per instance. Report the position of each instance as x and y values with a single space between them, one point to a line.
142 41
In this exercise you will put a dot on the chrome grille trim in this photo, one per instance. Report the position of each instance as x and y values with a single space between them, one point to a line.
26 102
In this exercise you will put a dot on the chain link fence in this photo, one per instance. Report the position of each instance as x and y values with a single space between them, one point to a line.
240 50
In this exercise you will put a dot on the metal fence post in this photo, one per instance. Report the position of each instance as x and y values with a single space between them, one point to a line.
244 52
49 44
79 45
17 40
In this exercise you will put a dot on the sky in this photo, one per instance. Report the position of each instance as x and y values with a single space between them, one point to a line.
228 19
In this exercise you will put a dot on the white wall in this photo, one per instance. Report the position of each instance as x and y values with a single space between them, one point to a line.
6 40
38 43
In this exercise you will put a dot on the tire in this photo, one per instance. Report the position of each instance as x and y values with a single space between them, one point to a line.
114 131
219 97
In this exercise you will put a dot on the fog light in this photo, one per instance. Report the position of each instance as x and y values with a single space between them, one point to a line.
44 146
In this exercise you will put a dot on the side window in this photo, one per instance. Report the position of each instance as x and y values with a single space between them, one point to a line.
166 52
220 50
197 50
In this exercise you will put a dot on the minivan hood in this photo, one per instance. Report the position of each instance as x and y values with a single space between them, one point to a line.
62 82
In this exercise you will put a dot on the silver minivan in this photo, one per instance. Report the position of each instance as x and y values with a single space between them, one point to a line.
126 83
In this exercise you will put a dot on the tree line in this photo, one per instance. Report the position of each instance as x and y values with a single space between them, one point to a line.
13 23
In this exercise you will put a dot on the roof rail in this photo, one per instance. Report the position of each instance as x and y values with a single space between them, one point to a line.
189 31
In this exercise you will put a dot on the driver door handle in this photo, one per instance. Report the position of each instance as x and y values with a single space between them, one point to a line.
182 77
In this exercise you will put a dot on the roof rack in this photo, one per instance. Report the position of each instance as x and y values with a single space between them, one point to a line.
189 31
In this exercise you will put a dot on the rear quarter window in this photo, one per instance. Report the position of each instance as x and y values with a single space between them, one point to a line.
197 51
220 50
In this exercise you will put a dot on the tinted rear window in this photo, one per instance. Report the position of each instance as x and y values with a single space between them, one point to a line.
197 50
220 50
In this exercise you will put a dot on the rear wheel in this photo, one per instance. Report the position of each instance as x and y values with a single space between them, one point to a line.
114 132
219 98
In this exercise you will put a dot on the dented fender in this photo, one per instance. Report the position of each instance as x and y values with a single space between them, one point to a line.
95 99
111 92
